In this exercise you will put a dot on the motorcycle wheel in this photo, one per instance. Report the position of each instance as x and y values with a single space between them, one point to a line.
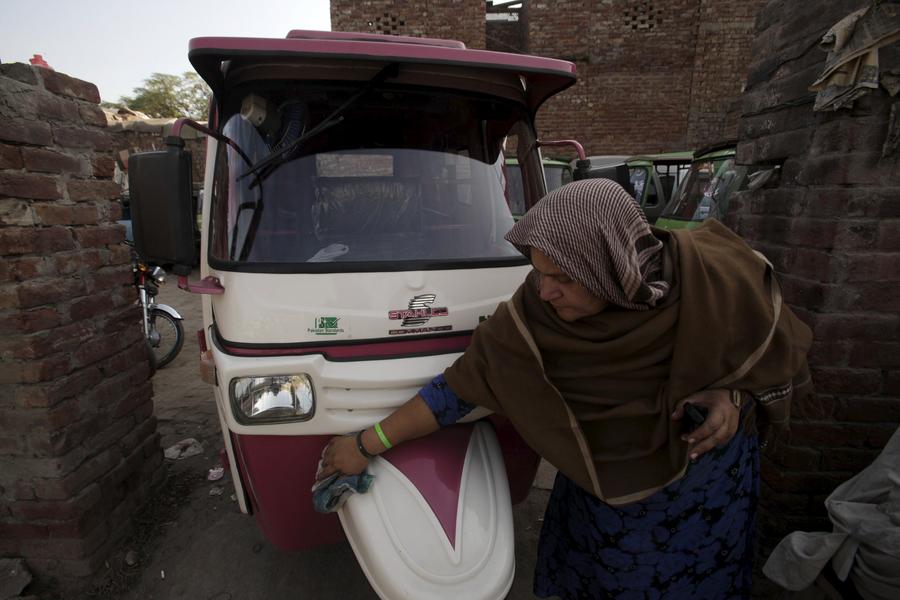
171 337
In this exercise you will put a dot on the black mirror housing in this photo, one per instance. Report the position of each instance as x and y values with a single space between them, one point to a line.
159 185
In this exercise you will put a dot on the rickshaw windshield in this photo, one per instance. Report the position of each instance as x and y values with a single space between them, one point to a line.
405 177
707 190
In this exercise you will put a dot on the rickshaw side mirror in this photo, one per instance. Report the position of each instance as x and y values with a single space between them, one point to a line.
159 186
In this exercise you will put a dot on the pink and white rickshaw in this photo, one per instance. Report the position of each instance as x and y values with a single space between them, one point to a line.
352 240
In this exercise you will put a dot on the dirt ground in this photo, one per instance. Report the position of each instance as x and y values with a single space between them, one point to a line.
191 540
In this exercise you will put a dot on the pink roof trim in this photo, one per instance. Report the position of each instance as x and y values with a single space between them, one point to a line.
308 34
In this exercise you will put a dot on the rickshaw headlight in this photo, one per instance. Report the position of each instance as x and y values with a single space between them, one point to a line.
275 398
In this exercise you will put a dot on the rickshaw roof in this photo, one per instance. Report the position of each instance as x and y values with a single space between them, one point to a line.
542 77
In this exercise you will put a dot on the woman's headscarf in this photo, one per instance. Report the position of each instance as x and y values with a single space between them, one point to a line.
598 235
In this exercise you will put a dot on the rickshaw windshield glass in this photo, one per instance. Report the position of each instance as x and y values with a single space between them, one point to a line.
404 176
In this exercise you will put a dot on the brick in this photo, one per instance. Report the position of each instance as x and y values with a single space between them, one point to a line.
93 189
90 307
29 321
848 459
62 214
26 240
74 482
76 137
23 268
20 131
875 354
846 135
48 161
53 108
871 266
20 72
795 459
824 434
80 262
46 369
889 235
791 481
845 380
16 212
868 410
103 165
830 353
98 348
27 185
108 278
842 169
856 326
98 237
880 296
10 157
815 406
52 393
37 293
64 85
92 115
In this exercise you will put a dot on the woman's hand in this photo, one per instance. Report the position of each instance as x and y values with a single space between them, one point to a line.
721 422
341 456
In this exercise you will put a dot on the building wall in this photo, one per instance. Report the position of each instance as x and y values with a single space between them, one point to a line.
653 76
79 450
831 227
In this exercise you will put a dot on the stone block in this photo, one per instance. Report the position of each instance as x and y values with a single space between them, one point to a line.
92 114
103 166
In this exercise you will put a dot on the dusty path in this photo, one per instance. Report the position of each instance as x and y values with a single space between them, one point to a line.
197 546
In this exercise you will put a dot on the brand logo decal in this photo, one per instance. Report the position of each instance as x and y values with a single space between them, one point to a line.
326 326
419 311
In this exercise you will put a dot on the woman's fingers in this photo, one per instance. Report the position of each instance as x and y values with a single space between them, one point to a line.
719 426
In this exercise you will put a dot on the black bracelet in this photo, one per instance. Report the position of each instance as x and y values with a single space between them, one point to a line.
362 449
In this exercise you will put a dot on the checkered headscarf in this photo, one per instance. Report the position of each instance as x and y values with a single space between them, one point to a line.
597 234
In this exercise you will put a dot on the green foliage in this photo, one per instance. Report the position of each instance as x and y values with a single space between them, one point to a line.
164 95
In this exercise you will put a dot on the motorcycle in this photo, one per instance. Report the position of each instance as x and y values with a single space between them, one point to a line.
163 330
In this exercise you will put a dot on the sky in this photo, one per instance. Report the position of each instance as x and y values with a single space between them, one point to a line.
117 45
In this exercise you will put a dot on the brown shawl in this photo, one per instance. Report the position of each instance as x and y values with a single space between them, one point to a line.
594 397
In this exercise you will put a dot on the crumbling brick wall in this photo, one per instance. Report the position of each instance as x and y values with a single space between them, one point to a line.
653 76
79 450
832 229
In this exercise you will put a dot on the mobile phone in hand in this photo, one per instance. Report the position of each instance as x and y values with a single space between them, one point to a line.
693 417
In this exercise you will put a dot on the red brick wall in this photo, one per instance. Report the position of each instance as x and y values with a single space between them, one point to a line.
78 444
653 76
461 20
832 229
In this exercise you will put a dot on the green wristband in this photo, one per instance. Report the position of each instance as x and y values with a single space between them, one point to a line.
382 437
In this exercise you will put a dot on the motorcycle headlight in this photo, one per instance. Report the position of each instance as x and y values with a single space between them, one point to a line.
158 275
276 398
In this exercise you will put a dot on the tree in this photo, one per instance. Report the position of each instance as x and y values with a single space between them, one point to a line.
164 95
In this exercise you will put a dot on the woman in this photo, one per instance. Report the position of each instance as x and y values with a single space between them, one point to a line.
593 360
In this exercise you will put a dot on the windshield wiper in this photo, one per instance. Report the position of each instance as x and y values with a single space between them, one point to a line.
269 164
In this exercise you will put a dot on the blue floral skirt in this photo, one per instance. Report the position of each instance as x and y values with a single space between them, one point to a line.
692 539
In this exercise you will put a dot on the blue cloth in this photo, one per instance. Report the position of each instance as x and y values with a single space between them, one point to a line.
330 493
692 540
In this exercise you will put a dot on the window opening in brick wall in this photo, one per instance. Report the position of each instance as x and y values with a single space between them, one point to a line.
643 16
388 24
